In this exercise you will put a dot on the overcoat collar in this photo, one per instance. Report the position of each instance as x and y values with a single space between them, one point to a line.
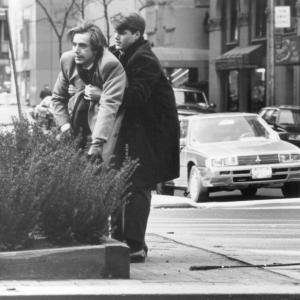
132 49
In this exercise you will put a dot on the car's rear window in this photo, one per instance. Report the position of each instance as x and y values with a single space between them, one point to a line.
289 117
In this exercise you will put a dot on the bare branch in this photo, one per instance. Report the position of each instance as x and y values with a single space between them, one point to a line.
66 18
146 4
56 22
48 16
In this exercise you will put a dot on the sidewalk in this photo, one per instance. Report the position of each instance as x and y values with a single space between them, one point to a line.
166 274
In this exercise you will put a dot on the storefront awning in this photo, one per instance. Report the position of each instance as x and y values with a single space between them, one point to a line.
241 58
180 57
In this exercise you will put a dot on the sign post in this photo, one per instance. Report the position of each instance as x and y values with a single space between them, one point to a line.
270 55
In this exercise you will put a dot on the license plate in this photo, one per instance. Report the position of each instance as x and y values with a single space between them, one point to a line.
262 172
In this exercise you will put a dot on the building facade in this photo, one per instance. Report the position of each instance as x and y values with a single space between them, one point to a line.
240 55
37 46
178 31
4 49
222 46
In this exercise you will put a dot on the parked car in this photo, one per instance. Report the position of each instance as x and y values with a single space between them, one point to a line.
285 120
192 101
234 151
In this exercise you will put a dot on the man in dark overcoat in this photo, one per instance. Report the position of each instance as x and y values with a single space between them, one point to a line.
149 131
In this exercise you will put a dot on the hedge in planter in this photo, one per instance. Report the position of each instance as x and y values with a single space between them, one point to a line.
48 187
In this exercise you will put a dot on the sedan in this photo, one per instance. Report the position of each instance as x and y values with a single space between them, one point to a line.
234 151
285 119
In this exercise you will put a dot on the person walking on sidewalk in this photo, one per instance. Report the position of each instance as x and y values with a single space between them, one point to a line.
149 131
99 80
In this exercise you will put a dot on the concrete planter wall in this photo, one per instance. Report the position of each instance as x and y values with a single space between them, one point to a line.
110 260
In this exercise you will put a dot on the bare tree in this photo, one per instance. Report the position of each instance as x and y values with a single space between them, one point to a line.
58 26
80 5
105 4
145 3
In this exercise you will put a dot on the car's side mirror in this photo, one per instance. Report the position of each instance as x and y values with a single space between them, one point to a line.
212 105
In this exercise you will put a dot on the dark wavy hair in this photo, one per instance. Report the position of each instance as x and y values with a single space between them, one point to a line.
97 38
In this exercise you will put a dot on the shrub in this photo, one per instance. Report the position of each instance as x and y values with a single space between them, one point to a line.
50 188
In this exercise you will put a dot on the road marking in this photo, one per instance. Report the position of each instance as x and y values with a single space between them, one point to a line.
276 251
268 207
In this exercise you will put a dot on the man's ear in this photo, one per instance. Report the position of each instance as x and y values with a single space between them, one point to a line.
137 34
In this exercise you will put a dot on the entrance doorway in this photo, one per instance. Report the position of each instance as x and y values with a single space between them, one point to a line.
257 90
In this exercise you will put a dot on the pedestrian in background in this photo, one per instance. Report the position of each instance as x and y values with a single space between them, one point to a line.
42 113
149 131
98 80
45 91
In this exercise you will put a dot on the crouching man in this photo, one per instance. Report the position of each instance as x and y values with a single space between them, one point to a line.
98 80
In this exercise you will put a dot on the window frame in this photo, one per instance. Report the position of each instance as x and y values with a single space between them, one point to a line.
232 27
254 19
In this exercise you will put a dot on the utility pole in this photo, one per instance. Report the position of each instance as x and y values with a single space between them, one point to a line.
270 55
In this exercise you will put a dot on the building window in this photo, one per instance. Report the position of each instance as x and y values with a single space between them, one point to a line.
232 21
259 18
25 38
4 42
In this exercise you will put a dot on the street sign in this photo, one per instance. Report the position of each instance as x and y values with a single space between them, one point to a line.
282 17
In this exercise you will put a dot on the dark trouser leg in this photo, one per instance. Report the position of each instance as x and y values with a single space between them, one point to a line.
136 217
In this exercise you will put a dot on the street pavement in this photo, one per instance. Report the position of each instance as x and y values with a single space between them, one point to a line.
182 264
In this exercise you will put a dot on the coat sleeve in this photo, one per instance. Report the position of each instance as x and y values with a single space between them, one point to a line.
114 83
60 95
143 73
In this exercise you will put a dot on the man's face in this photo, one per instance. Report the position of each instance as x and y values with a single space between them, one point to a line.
125 38
84 55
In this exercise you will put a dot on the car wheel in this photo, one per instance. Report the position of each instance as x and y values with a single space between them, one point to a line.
249 191
291 189
162 189
198 192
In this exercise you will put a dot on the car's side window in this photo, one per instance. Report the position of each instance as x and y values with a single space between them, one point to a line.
268 115
179 96
274 116
200 98
190 97
183 128
286 117
194 97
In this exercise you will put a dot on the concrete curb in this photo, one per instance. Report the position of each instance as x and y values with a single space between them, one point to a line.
161 201
110 260
134 289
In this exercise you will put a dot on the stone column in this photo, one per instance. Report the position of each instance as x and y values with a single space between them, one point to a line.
243 22
216 94
244 78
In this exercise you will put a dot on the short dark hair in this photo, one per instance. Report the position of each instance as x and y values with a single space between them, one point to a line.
131 21
97 38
